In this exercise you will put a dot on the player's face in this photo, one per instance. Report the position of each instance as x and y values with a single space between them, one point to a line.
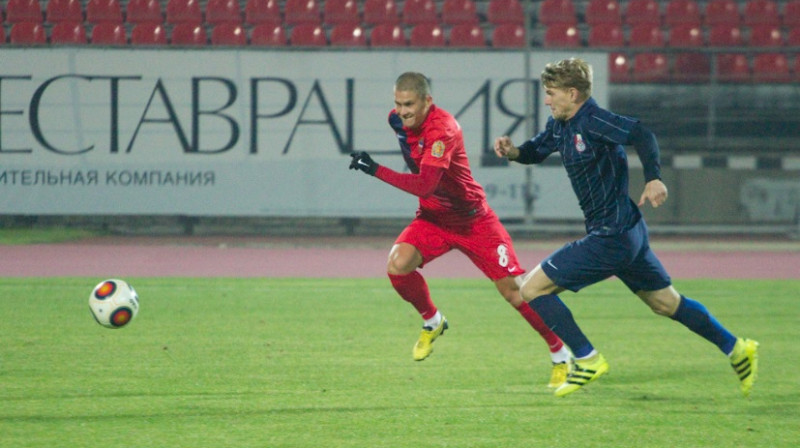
411 108
561 102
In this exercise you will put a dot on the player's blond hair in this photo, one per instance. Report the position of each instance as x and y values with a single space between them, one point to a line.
567 74
413 82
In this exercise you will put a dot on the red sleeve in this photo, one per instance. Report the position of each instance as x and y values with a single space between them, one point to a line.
422 184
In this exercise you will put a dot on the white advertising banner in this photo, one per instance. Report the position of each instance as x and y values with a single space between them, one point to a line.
213 132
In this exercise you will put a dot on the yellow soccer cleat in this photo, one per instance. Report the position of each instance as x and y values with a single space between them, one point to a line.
558 375
582 373
744 360
424 346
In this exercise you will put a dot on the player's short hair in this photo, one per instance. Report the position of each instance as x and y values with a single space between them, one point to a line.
413 82
569 73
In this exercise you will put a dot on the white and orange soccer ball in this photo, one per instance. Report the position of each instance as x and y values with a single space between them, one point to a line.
114 303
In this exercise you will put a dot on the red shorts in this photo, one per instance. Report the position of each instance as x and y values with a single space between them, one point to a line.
484 240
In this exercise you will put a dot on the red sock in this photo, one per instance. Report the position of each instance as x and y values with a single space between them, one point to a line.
413 289
553 341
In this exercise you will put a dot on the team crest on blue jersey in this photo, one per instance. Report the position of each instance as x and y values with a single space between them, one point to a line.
580 145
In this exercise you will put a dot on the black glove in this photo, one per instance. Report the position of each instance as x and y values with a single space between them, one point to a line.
362 161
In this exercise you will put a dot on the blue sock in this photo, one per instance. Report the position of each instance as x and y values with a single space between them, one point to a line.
696 317
559 318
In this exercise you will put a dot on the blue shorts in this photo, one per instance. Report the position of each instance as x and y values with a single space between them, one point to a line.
594 258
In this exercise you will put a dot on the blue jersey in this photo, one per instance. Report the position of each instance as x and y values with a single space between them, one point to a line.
591 148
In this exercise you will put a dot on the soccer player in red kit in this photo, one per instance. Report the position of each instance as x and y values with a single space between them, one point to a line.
453 214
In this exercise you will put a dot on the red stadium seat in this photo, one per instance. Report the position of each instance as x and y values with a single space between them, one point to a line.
308 35
562 35
2 35
557 11
761 12
189 34
337 12
262 11
377 12
148 33
455 12
691 67
72 33
302 12
643 12
223 11
27 33
268 34
228 33
143 11
348 35
467 35
722 12
682 12
509 35
766 36
416 12
725 36
184 11
108 33
103 11
796 70
606 35
686 35
793 40
64 11
603 11
23 11
501 12
650 67
619 67
733 67
388 35
427 35
791 18
771 67
646 35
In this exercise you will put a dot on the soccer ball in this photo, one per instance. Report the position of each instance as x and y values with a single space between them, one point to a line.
114 303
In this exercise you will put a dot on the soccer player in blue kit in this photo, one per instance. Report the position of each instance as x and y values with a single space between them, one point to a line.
590 140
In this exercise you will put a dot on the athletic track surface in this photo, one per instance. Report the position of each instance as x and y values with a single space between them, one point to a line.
358 257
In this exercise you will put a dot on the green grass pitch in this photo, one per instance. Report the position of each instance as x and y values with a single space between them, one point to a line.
327 363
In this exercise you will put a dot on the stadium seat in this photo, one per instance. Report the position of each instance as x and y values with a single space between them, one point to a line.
348 35
189 34
557 12
337 12
64 11
72 33
388 35
262 11
790 17
467 35
619 67
427 35
228 33
108 33
509 35
643 12
606 35
268 34
793 40
23 11
143 11
691 67
646 35
722 12
500 12
766 36
103 11
761 12
223 11
148 33
650 67
308 35
299 12
686 35
796 70
603 11
27 33
682 12
455 12
184 11
725 36
562 35
733 67
2 35
417 12
377 12
771 67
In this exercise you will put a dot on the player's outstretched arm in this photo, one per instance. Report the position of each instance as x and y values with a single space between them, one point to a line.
655 192
504 148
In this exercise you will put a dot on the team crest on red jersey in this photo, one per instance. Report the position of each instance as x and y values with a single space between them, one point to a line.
437 150
580 145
